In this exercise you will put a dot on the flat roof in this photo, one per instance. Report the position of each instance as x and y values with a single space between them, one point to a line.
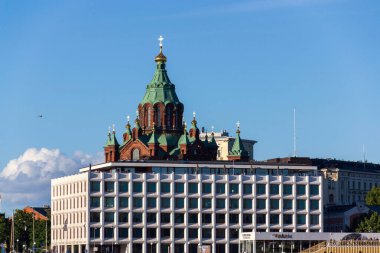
201 164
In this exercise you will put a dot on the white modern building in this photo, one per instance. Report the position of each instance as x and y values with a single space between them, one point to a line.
164 206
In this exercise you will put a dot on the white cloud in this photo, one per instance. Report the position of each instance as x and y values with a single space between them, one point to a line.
26 179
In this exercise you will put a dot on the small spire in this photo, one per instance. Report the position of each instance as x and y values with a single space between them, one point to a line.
212 129
194 122
137 114
113 128
128 118
238 127
153 127
160 39
109 130
194 115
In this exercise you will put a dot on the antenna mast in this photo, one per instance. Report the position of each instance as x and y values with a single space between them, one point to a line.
294 134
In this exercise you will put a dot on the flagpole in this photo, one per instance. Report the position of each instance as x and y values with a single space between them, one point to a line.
33 231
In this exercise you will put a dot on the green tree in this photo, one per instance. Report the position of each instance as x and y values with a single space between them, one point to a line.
373 197
5 230
369 224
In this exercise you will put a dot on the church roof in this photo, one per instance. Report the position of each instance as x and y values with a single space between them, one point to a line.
160 89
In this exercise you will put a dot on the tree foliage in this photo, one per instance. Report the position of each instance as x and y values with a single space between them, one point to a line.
370 224
23 231
373 197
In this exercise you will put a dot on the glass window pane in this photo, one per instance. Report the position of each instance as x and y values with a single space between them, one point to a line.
274 189
314 204
193 203
260 189
193 188
220 188
123 187
109 186
95 186
123 233
165 187
165 217
165 202
95 202
301 219
123 202
314 190
247 203
247 188
109 217
151 217
288 204
234 188
123 217
193 218
179 203
301 204
220 203
137 202
287 189
206 188
274 204
260 204
151 187
152 202
234 203
179 218
301 190
137 217
206 203
274 219
109 202
137 187
179 187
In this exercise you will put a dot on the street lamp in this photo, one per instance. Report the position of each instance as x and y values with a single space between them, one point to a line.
17 246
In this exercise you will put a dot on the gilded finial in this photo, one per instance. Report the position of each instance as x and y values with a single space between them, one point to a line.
160 57
128 118
113 128
238 127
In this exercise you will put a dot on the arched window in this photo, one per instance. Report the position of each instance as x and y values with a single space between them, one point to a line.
149 116
135 154
168 117
158 116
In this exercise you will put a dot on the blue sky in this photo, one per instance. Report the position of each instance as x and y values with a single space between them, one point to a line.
84 65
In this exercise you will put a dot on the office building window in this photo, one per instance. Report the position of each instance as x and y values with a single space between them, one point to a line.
179 218
260 204
314 190
274 189
178 203
165 202
108 233
193 218
274 204
234 218
123 202
95 202
137 217
137 232
301 219
179 233
179 187
123 233
109 202
301 204
220 203
206 188
247 219
288 219
260 189
151 233
109 186
193 233
206 233
123 187
247 188
314 204
287 189
165 187
234 203
220 233
261 218
193 203
220 188
152 202
301 189
137 202
151 218
95 186
234 188
165 232
123 217
274 219
206 203
193 188
94 217
206 218
287 204
109 217
220 218
247 203
137 187
314 219
151 187
165 217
